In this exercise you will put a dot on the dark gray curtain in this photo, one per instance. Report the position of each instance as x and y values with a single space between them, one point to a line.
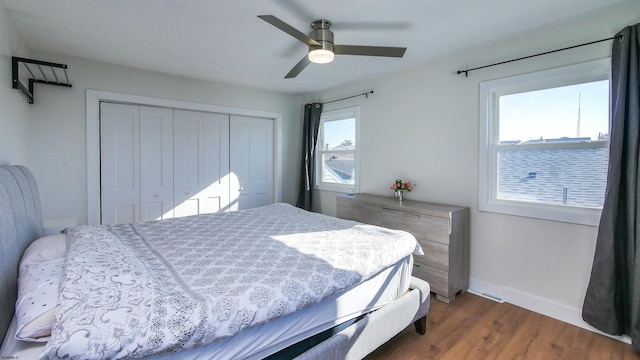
311 119
612 301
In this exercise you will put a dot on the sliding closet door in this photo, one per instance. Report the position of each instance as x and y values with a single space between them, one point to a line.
120 154
201 162
159 163
136 150
251 162
156 163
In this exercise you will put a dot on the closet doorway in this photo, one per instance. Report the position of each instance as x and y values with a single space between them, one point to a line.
159 162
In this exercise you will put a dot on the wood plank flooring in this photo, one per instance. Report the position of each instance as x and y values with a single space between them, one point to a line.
472 327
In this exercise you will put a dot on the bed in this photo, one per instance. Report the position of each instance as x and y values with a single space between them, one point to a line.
341 311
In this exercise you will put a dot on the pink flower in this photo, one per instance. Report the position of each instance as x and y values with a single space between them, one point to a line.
400 185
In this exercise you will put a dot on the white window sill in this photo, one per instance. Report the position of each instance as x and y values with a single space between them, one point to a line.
336 188
567 214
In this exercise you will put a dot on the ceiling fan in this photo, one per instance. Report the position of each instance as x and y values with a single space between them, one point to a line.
321 46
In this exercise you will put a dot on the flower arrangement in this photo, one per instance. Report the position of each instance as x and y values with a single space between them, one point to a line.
399 185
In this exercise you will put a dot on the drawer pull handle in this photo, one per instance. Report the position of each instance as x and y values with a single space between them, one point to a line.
414 216
416 265
356 206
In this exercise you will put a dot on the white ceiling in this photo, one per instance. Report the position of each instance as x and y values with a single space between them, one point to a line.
224 41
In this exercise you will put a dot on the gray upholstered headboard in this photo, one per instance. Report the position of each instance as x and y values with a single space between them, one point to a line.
20 224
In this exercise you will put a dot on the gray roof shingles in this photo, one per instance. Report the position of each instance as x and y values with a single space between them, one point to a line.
542 175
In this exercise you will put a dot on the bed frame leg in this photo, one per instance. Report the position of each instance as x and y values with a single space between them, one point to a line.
421 325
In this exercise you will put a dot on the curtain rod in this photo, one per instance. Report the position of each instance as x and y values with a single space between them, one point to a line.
466 72
365 94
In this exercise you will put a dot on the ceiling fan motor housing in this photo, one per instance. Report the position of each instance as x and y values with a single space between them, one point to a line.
322 34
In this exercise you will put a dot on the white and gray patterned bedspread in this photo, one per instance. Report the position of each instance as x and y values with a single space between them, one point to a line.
141 289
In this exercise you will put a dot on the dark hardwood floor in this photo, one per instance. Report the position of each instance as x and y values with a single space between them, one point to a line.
472 327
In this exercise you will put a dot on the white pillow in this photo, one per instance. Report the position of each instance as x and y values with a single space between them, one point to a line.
37 299
38 278
44 249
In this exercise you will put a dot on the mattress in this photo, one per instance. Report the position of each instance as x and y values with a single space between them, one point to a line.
268 338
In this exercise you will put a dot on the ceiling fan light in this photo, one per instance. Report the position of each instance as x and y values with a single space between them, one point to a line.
321 56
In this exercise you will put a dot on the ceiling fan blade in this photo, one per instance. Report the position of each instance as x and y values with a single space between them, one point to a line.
369 50
289 29
297 69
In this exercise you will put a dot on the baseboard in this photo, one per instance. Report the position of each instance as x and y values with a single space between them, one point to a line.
536 304
486 289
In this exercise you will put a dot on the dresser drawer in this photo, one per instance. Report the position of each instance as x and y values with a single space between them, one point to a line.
422 226
437 279
358 212
435 254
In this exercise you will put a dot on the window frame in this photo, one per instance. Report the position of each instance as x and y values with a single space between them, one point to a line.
337 115
490 91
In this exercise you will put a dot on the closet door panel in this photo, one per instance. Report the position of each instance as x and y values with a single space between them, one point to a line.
240 164
201 162
251 154
262 162
156 163
215 163
119 156
186 164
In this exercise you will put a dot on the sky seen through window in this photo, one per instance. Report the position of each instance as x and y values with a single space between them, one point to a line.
569 111
336 132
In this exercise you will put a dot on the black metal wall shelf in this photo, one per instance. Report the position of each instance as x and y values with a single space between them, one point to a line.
36 71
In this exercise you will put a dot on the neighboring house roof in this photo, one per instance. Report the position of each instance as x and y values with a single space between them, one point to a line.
345 147
562 139
554 176
330 176
339 167
340 170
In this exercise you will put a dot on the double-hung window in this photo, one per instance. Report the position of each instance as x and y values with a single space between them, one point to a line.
544 143
337 150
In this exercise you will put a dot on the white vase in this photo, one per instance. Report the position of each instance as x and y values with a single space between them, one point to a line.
400 195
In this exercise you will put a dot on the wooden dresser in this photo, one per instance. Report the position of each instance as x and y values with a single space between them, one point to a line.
442 230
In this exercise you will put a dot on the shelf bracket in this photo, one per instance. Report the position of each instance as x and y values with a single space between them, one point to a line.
36 71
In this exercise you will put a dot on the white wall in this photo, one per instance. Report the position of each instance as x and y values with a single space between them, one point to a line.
422 125
13 107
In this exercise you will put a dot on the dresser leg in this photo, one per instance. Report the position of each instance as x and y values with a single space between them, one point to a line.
445 299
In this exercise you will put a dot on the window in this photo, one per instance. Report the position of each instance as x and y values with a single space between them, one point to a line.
337 150
544 143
